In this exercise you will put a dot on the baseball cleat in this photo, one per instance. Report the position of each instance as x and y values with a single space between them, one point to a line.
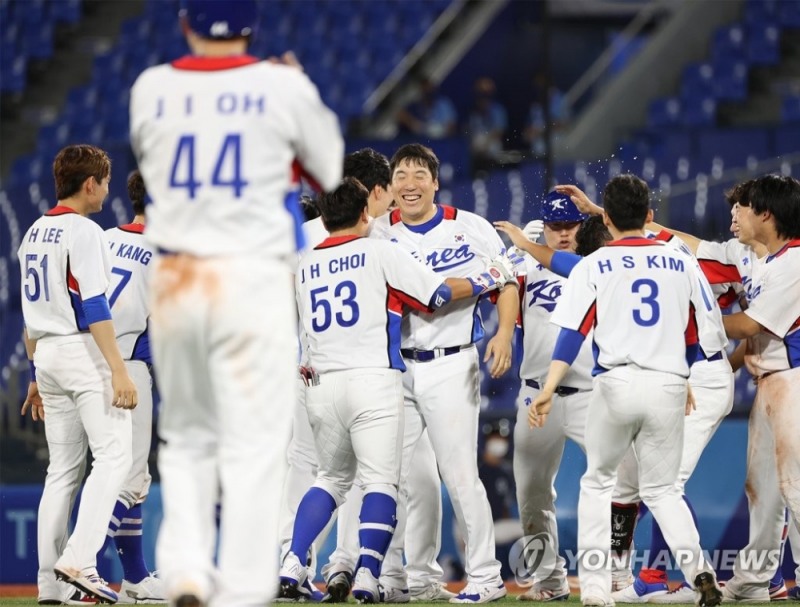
480 593
149 591
73 596
338 589
639 592
365 587
596 597
545 595
293 577
682 594
88 582
621 579
434 592
394 595
729 594
706 585
794 593
778 592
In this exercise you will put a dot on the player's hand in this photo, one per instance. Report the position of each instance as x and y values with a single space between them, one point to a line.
539 409
33 401
580 199
499 350
533 229
691 404
125 395
288 58
515 233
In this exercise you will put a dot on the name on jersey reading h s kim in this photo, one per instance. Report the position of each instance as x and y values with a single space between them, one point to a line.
654 262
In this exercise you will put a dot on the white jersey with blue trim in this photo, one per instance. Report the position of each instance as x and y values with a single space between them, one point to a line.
542 291
350 296
63 262
218 142
644 301
130 255
457 244
774 297
729 261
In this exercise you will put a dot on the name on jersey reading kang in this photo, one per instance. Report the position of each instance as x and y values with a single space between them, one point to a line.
342 264
654 262
134 253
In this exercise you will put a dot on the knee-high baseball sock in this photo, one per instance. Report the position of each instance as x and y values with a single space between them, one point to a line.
377 523
656 570
128 540
315 510
120 508
777 579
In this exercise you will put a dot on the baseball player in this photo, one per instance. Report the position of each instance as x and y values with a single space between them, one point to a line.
221 139
647 350
350 292
770 215
537 455
80 386
130 255
441 382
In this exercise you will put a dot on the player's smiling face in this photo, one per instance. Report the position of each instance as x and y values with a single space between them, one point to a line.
560 235
414 188
98 194
746 221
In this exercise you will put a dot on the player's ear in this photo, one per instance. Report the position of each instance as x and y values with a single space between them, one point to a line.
649 218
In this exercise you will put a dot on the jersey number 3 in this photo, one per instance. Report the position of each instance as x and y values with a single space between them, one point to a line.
322 310
650 312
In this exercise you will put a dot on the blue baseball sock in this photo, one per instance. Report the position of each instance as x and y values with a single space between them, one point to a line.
658 544
315 510
378 520
129 546
777 579
120 508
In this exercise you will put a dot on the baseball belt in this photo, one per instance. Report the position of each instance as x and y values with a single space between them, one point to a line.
560 391
424 356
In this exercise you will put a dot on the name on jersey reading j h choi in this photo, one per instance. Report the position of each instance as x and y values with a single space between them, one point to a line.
654 262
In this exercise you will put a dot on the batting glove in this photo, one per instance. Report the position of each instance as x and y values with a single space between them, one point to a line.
533 229
499 272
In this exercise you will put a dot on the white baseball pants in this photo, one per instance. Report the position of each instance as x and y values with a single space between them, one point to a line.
137 484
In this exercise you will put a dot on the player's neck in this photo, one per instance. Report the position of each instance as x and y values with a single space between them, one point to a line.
218 48
773 242
620 234
138 219
76 204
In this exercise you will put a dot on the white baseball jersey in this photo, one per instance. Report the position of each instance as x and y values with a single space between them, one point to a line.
350 296
644 300
130 255
729 261
63 262
455 243
774 297
216 140
542 291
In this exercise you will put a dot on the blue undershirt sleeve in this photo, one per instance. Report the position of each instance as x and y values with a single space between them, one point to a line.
96 309
563 262
441 296
568 345
692 353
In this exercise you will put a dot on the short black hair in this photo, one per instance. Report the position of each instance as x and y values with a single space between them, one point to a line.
626 201
342 208
370 167
418 155
740 194
137 192
781 197
309 207
592 235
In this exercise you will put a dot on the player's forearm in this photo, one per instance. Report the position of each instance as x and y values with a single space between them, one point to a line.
460 288
30 344
507 311
106 340
737 357
740 326
541 253
555 375
691 241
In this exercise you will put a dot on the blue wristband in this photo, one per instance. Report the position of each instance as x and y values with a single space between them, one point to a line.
32 368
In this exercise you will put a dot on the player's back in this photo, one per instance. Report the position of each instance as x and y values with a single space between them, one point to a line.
130 254
216 141
350 297
63 262
643 304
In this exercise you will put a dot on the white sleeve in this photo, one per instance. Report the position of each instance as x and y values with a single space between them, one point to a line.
777 305
710 330
319 146
577 307
494 244
88 261
407 275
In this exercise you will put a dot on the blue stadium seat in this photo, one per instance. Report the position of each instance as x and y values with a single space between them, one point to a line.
664 112
789 13
729 42
66 11
733 147
786 139
699 111
730 80
763 44
790 111
697 81
760 11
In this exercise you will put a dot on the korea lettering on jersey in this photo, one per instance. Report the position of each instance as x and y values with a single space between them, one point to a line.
350 295
63 262
775 305
130 255
455 243
630 288
222 136
541 292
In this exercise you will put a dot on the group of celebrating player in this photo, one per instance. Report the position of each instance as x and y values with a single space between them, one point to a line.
386 401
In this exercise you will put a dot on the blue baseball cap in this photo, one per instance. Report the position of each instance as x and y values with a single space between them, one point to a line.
220 19
559 207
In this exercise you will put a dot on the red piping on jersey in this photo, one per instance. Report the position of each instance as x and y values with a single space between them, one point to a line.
521 297
396 295
335 241
690 335
448 212
717 272
60 210
212 64
664 236
589 321
299 172
634 242
789 245
136 228
728 298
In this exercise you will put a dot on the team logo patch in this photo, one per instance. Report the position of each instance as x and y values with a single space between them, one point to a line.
459 238
545 293
495 273
528 401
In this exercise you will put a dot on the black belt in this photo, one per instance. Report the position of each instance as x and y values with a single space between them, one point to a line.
424 356
561 390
